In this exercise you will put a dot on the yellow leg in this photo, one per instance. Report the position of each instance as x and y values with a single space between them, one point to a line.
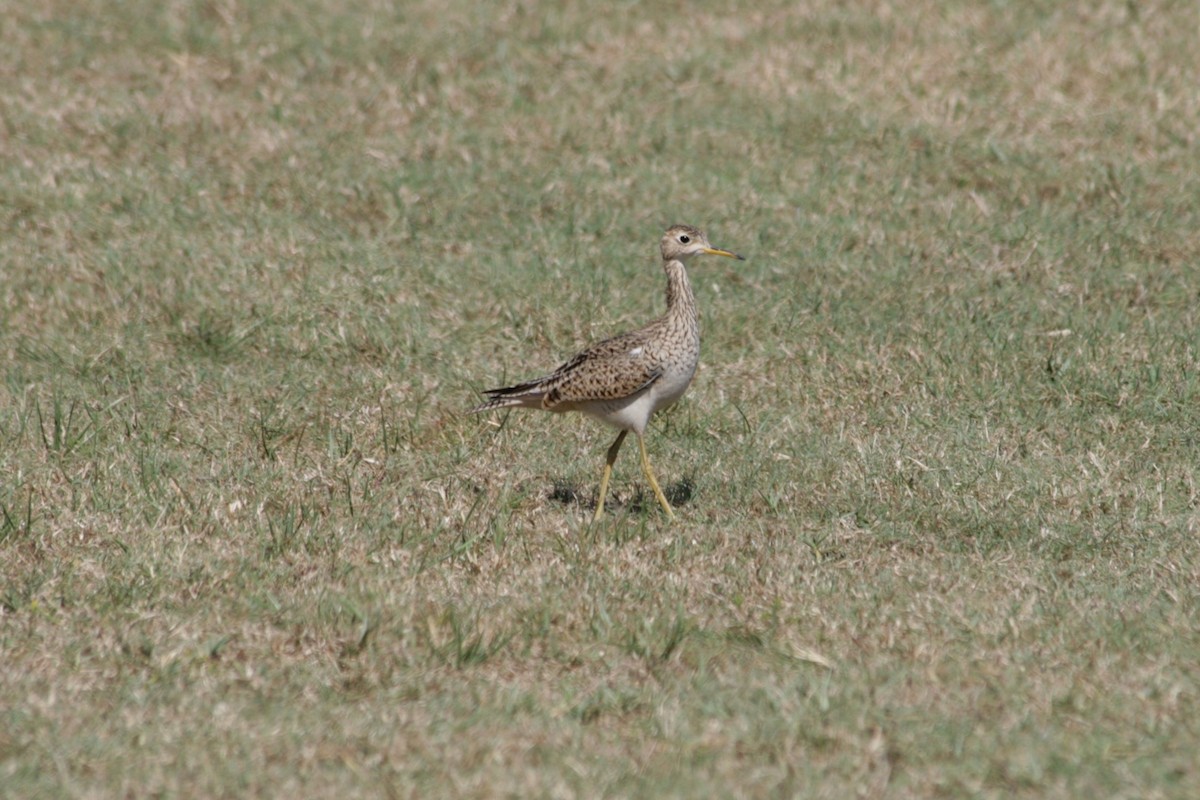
608 465
662 499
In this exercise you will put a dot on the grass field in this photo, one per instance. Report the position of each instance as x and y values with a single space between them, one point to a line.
935 478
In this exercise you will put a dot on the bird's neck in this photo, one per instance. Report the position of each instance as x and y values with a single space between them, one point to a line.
680 300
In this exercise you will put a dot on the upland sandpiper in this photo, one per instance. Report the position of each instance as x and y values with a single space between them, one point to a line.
622 381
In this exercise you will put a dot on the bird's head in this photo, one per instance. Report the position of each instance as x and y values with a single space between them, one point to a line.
681 242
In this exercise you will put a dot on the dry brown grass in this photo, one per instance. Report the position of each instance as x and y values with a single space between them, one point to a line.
935 474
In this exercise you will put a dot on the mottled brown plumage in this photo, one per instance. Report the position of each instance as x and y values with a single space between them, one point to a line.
622 381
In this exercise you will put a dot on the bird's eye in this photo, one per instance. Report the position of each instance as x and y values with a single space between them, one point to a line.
684 238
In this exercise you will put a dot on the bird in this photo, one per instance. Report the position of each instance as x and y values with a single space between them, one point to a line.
623 380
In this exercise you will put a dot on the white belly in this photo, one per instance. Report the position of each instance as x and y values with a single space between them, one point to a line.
633 413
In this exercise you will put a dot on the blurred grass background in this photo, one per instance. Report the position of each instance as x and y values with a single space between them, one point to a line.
940 512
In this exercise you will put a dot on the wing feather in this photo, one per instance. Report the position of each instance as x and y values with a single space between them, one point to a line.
609 370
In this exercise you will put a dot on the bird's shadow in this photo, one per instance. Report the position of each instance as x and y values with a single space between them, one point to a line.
678 494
